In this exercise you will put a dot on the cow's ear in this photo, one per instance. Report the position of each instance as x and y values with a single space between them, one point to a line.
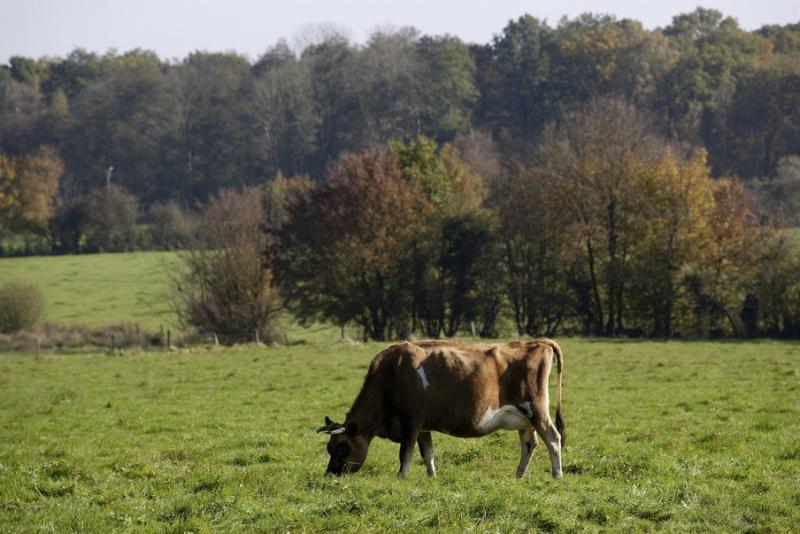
329 421
352 429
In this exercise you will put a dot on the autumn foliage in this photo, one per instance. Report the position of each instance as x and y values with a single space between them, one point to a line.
610 230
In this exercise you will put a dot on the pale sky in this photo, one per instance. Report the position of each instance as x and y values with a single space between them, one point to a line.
173 28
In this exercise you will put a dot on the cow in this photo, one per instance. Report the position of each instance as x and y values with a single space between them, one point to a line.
460 389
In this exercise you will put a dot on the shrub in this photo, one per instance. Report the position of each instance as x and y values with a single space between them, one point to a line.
170 227
21 306
111 220
224 288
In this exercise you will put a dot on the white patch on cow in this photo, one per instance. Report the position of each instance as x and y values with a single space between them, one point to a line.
506 417
429 463
338 431
423 377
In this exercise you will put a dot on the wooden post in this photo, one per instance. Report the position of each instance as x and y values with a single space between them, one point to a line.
113 344
472 327
216 339
169 341
258 340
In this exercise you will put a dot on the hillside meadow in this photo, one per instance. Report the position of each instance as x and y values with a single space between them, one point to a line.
99 289
683 436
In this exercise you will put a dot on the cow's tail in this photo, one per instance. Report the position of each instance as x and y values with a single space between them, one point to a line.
560 426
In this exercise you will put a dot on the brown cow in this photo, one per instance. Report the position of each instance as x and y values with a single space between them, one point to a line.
460 389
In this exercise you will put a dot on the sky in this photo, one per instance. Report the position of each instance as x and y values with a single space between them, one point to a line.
174 28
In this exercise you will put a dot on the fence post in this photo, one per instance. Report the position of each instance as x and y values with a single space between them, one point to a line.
169 341
113 343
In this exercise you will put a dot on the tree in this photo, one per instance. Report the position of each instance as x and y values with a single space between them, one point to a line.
111 216
422 163
763 116
448 89
600 56
719 286
336 105
344 255
278 194
209 125
697 87
388 85
678 202
170 227
28 185
595 158
533 237
777 198
513 78
284 112
440 274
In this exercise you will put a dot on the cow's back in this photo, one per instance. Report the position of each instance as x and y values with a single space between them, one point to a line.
450 386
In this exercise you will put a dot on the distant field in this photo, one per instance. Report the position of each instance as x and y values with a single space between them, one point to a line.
683 436
99 289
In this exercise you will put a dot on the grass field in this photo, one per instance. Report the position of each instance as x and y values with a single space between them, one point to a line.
99 289
684 436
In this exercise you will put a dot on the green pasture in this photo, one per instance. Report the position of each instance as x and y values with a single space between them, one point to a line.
133 287
99 289
680 436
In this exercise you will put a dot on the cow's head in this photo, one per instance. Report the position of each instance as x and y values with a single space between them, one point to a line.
347 447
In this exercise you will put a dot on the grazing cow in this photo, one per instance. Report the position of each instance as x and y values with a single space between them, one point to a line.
460 389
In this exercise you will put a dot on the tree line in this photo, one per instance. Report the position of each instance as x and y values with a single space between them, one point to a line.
181 130
611 229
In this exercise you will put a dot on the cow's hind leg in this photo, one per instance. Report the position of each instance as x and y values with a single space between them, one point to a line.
527 443
409 434
552 439
425 442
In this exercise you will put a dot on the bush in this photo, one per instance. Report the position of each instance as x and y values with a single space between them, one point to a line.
170 227
111 220
21 306
224 288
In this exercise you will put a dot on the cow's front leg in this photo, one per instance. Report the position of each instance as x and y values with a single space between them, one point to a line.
527 443
408 437
425 442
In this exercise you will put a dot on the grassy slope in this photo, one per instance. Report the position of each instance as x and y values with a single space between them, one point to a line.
98 289
678 435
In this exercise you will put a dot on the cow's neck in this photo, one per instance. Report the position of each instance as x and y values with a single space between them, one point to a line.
367 410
